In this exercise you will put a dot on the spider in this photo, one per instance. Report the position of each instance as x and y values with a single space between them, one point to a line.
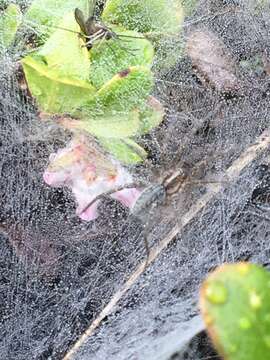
152 196
92 30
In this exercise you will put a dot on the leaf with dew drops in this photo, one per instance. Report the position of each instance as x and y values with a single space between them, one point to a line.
189 6
64 51
235 304
109 125
161 20
126 150
151 115
161 16
44 15
124 92
54 93
114 130
9 22
112 56
57 75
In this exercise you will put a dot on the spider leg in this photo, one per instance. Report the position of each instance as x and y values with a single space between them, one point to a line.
93 36
145 233
131 37
100 43
147 248
107 193
131 51
126 49
91 39
112 50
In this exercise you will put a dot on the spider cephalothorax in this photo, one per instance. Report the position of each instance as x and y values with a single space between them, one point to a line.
91 30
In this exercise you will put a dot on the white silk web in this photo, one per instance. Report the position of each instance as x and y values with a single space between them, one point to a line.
58 273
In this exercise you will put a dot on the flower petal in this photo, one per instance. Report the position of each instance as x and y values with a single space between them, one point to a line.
127 197
90 214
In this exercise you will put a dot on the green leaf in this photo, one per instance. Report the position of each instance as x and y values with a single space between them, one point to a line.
119 125
127 151
111 56
53 92
9 23
169 50
44 15
124 92
235 302
64 51
57 75
189 6
162 16
151 115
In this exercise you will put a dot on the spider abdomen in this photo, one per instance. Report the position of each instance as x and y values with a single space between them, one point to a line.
151 197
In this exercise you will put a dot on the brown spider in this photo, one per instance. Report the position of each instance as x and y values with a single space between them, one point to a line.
151 197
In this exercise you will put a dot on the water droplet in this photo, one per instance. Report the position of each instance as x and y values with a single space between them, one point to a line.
266 339
243 268
255 300
232 348
245 323
216 292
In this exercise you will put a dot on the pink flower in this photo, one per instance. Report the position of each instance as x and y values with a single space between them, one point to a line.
88 173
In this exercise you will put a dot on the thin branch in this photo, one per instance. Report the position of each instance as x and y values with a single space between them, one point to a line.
232 173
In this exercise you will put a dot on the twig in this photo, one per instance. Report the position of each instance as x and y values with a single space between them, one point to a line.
262 143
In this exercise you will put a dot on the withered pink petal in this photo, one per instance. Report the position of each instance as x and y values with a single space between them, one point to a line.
88 173
47 178
55 179
90 214
127 197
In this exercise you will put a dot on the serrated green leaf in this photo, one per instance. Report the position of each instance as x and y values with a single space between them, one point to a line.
45 15
162 16
54 93
111 56
127 151
235 302
9 22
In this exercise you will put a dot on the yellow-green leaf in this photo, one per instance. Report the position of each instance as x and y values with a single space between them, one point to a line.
127 151
64 51
151 115
126 91
9 22
44 15
235 303
118 125
54 93
162 16
112 56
